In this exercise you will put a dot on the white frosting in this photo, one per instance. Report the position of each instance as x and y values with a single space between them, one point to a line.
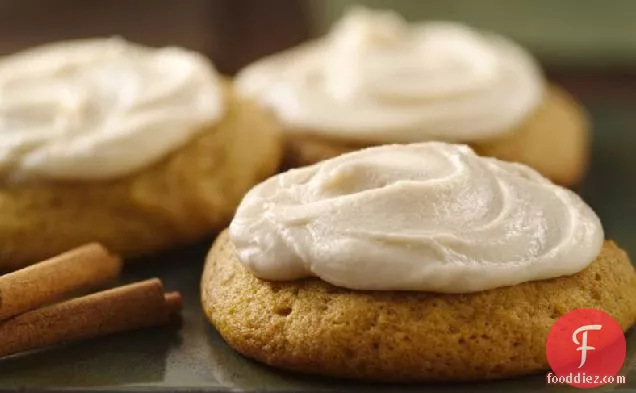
429 217
98 109
375 78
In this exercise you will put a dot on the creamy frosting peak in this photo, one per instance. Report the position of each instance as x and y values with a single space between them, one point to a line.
376 78
100 108
427 217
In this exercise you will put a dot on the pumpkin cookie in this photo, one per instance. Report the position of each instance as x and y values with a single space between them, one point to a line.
167 156
420 262
376 79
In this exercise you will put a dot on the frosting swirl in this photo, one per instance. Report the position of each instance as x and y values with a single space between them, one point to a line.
428 217
375 78
101 108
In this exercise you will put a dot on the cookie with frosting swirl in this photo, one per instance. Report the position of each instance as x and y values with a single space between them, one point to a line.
135 147
377 79
422 262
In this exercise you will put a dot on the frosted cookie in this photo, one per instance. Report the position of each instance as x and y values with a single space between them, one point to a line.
376 79
134 147
413 262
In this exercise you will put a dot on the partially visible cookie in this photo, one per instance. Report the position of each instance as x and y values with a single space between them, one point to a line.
313 327
554 140
186 195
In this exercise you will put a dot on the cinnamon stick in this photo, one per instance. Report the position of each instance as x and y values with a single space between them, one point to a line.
83 268
173 302
130 307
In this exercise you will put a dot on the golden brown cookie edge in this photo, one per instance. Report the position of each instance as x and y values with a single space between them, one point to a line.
311 327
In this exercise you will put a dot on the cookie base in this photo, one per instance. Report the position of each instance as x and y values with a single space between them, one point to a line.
312 327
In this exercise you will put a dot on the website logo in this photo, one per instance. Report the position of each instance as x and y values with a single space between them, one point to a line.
585 348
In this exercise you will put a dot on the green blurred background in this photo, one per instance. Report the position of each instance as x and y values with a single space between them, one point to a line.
581 33
563 33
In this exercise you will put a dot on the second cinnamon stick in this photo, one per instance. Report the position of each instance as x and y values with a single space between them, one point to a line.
130 307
